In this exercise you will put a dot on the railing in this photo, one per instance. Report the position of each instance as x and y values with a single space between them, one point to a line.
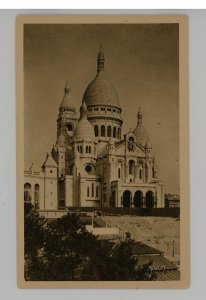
28 172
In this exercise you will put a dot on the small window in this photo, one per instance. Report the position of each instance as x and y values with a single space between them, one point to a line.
131 144
140 174
119 173
153 172
102 130
114 132
108 109
92 189
114 110
96 130
51 171
102 108
90 109
96 108
97 191
87 191
80 149
109 131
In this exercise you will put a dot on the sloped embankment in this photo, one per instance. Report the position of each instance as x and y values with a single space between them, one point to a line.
158 232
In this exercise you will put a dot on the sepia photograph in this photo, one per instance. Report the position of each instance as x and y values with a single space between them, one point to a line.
102 152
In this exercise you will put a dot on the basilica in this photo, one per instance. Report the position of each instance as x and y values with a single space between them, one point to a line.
92 163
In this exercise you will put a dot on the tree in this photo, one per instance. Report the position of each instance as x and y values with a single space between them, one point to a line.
63 249
34 237
66 246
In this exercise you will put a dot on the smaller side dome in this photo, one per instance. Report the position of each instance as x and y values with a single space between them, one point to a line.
84 129
140 132
148 144
67 101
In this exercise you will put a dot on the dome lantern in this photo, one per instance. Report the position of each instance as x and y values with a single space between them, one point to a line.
100 60
139 117
140 132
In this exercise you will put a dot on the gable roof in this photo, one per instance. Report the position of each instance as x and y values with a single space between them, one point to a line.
143 249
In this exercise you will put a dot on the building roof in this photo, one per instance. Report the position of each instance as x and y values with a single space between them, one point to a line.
143 249
101 91
163 268
49 162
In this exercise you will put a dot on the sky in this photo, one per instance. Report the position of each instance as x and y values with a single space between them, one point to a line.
142 62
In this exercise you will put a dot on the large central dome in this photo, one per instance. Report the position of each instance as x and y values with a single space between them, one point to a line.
101 91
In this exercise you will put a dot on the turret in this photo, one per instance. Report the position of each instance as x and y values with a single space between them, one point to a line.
67 117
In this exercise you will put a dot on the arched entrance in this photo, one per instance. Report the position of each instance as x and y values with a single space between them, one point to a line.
138 199
112 199
149 199
126 199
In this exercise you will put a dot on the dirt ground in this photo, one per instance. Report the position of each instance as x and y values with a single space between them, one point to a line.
157 232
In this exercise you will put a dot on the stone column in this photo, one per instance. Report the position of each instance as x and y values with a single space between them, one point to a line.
144 201
131 201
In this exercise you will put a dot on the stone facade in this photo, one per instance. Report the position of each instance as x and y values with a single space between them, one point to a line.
92 164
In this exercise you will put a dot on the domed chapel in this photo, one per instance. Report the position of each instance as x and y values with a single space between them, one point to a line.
93 164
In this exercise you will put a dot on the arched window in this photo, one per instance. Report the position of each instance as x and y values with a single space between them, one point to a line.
146 172
131 167
88 191
92 189
70 126
153 172
109 131
140 170
119 134
131 144
36 196
114 132
96 130
27 192
71 169
102 130
119 169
